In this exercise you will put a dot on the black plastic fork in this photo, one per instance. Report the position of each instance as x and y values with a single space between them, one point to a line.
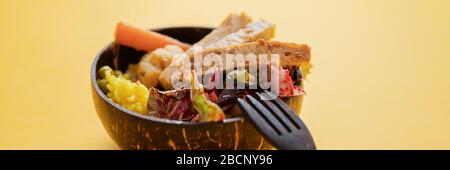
277 122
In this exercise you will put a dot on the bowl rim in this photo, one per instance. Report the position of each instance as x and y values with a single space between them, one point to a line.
105 98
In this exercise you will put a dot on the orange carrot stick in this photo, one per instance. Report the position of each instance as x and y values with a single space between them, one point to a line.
140 39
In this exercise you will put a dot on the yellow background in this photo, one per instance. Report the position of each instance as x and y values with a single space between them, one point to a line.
381 76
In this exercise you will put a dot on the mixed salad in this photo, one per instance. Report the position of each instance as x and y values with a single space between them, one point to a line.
147 87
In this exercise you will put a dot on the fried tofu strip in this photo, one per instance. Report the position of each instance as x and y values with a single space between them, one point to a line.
232 23
291 55
260 29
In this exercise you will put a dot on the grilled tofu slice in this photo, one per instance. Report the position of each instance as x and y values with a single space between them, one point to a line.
260 29
232 23
291 54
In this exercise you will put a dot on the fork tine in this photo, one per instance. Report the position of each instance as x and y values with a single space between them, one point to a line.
307 139
287 123
270 127
267 114
294 119
258 119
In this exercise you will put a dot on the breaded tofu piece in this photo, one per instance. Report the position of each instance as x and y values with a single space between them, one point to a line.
260 29
291 54
232 23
